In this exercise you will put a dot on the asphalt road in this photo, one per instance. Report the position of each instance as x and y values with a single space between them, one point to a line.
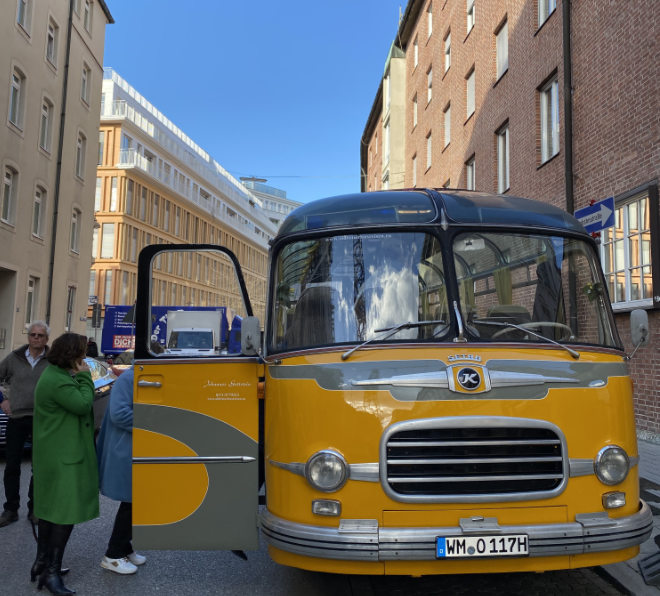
183 573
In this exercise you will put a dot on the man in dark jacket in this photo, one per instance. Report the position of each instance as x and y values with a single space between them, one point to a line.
19 372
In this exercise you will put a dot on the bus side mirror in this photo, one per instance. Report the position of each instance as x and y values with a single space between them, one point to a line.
250 335
639 327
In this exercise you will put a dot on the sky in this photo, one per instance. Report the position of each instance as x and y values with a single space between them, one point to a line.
279 90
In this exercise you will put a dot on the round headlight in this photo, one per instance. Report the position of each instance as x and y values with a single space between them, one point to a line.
611 465
326 471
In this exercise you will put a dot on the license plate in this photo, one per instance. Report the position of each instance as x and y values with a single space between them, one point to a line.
516 545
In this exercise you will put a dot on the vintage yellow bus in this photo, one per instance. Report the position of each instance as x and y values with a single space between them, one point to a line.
439 388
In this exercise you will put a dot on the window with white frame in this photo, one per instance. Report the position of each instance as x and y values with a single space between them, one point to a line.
113 194
414 111
429 19
38 210
107 291
87 15
469 93
16 98
546 8
470 15
447 122
469 174
415 52
70 306
108 241
98 195
24 14
549 117
447 51
626 250
95 242
52 40
85 83
429 150
414 170
81 148
31 299
92 283
9 195
502 137
46 125
74 237
429 84
502 49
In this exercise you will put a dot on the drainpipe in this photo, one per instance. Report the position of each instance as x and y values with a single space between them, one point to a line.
58 170
568 106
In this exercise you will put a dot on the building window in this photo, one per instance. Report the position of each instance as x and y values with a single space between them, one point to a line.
429 18
549 110
129 198
81 147
9 193
447 46
155 212
52 38
469 174
107 291
85 83
415 53
46 125
414 170
626 250
166 217
503 158
470 15
108 241
98 195
74 239
113 194
447 121
469 93
32 299
546 8
87 16
414 123
99 161
502 49
16 99
24 14
143 204
38 211
429 84
70 306
92 285
429 150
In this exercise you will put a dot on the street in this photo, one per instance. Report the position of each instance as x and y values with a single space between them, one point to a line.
182 573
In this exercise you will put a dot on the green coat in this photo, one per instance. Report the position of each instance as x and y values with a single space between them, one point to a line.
66 482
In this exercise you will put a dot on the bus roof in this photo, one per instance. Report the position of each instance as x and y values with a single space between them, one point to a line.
425 206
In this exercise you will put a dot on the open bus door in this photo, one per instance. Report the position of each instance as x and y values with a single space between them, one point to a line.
196 418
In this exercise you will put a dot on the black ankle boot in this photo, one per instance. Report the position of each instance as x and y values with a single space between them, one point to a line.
43 538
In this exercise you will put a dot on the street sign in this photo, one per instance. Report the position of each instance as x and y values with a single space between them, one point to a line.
598 216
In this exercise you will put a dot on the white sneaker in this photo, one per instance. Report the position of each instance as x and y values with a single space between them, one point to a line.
137 559
121 566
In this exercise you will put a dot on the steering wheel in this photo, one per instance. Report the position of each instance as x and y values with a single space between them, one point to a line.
567 330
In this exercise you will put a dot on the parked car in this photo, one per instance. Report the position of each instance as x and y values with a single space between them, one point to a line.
103 378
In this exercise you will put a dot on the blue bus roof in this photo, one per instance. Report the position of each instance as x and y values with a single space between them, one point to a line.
426 206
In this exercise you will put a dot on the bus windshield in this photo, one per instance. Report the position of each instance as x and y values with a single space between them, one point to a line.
344 289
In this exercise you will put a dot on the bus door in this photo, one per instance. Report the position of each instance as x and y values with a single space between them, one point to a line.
196 420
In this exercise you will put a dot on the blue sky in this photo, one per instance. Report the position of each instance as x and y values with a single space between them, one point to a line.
280 90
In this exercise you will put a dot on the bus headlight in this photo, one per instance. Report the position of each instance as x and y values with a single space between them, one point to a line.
326 471
611 465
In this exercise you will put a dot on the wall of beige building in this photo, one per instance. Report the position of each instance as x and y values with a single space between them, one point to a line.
47 172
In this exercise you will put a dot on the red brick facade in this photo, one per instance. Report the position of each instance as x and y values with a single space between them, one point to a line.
615 137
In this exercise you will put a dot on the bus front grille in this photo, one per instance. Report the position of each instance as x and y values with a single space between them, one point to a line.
474 462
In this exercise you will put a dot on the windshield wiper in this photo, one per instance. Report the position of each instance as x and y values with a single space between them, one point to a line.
392 331
572 352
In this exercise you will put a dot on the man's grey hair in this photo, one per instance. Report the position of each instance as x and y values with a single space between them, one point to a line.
41 324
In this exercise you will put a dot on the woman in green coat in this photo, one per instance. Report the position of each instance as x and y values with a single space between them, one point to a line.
64 459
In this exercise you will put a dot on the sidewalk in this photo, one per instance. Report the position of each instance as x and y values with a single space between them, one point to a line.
628 573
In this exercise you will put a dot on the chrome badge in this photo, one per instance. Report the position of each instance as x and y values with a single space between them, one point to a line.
468 378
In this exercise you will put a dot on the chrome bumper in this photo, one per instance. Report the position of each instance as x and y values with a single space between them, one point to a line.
364 540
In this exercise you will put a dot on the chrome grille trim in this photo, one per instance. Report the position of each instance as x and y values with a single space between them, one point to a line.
473 459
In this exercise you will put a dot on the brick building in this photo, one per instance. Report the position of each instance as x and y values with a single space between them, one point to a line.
549 99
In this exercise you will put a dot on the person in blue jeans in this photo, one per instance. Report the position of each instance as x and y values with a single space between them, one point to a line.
114 448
